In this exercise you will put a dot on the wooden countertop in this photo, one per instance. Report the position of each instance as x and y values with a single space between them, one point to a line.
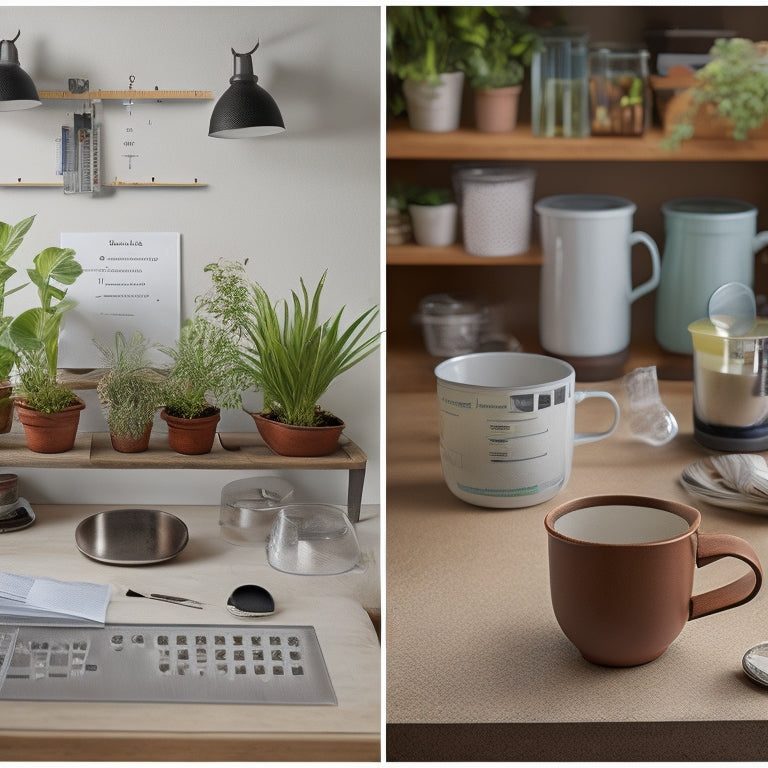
207 570
477 667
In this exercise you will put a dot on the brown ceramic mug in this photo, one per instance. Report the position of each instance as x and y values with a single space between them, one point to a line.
621 574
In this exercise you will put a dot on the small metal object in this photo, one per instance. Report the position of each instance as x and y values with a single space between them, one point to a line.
131 536
250 600
167 599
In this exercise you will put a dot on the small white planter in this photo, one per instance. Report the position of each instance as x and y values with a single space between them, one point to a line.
434 225
435 108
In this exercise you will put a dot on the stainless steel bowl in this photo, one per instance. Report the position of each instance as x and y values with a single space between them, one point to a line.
131 536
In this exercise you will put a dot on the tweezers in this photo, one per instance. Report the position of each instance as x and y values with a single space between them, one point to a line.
167 599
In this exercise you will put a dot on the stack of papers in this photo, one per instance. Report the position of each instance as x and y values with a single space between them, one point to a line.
735 480
30 600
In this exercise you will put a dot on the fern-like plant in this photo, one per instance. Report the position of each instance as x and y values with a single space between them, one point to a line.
284 349
130 391
204 375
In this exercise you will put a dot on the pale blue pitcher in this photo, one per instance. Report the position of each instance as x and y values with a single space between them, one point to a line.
709 242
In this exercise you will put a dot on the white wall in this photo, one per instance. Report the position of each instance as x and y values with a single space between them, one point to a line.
293 203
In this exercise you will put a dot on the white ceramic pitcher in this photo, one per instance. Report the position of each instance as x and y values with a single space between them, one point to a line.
586 278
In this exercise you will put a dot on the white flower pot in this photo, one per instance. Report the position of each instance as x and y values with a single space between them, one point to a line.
435 108
434 225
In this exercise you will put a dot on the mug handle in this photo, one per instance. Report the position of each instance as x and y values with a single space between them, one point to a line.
653 281
712 547
589 437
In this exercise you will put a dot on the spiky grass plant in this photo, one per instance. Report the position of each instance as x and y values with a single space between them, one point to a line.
285 350
204 375
130 391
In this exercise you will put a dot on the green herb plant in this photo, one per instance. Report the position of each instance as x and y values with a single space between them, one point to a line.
497 44
419 46
130 391
735 81
284 349
34 334
204 376
430 196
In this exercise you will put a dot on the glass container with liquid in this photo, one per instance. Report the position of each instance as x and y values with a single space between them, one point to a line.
560 84
730 387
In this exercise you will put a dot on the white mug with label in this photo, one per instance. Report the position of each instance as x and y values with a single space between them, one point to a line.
507 426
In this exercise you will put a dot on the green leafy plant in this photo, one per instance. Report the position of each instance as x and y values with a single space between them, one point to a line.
735 82
430 196
204 376
34 334
284 348
419 46
11 237
497 44
130 391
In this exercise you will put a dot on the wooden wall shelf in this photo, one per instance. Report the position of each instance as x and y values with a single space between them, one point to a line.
469 144
158 95
411 254
233 450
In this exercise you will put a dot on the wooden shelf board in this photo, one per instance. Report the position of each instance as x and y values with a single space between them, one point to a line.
159 95
469 144
230 451
411 254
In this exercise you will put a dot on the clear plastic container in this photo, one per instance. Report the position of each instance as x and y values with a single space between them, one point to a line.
619 95
313 540
452 324
249 507
559 84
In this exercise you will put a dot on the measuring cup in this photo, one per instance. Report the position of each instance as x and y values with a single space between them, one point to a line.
507 426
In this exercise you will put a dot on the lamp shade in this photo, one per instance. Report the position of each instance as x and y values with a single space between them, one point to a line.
17 91
245 109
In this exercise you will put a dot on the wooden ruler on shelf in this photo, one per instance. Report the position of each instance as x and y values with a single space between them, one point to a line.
157 94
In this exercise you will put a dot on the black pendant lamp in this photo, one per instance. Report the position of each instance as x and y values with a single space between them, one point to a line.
17 91
245 109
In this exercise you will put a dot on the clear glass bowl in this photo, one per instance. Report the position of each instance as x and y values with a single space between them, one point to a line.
249 507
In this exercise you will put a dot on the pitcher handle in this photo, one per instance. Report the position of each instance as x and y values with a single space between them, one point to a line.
711 547
589 437
650 284
759 242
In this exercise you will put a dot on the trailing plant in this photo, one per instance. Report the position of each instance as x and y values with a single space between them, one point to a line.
497 44
204 376
34 334
735 82
130 391
284 349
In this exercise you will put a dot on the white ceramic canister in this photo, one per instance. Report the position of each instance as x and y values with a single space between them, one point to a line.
496 209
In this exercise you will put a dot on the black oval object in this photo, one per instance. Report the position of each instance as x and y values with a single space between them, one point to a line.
251 600
131 536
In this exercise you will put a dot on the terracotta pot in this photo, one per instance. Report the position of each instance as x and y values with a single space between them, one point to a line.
191 436
6 408
496 109
128 444
50 432
290 440
707 122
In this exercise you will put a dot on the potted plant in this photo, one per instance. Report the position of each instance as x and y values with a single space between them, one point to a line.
497 46
130 392
433 215
11 237
728 95
289 354
421 61
202 380
48 410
